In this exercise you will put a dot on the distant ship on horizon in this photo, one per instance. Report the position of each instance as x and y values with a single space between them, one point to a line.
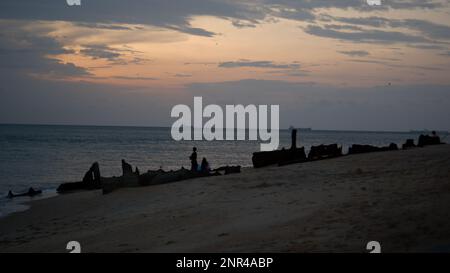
426 131
300 129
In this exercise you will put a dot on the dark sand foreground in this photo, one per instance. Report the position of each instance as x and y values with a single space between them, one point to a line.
401 199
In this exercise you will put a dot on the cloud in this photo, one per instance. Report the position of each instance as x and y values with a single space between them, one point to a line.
192 30
182 75
425 28
113 55
22 52
135 78
355 53
176 15
358 21
285 69
415 4
356 4
396 65
104 26
429 29
343 27
138 61
100 52
427 46
290 72
258 64
367 36
296 13
161 13
369 61
243 24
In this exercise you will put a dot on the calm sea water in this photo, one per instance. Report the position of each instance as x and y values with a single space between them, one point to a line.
45 156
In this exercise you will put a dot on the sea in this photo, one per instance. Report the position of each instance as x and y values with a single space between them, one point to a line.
44 156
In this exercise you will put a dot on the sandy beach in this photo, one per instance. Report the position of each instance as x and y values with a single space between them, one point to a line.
399 198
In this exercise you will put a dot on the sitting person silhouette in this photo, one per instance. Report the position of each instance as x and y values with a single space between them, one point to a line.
204 167
429 140
193 158
435 139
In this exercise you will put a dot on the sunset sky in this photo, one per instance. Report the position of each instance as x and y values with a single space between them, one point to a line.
329 64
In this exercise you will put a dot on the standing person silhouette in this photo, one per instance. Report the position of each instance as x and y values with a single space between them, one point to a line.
193 158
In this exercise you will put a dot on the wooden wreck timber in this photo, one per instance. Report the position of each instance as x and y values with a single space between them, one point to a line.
159 177
360 149
408 144
283 156
425 140
280 157
324 151
134 179
93 181
30 193
228 169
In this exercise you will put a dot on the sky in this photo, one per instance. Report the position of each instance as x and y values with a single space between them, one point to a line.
340 65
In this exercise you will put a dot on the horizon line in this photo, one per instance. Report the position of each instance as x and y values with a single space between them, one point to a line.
281 129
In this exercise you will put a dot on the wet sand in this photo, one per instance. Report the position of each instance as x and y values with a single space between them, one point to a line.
399 198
